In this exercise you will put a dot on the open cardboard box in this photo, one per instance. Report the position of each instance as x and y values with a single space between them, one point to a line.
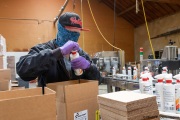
28 104
76 100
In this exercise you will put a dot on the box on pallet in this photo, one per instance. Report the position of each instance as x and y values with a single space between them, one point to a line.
76 99
28 104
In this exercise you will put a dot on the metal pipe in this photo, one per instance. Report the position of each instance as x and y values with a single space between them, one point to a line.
61 11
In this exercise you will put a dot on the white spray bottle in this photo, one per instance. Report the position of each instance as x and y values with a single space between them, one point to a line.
164 70
146 70
124 72
74 55
135 73
113 71
146 86
129 73
177 94
169 95
159 91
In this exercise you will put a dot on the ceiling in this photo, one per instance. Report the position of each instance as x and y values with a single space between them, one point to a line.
154 9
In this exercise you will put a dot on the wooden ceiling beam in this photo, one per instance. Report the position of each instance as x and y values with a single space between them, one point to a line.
128 9
166 1
125 11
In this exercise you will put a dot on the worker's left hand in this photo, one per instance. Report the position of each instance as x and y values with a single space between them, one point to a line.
80 63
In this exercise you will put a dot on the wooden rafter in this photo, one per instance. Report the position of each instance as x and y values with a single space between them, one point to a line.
128 9
166 1
125 11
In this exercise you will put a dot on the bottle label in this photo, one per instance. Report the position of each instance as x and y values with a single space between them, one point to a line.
78 72
159 99
169 99
177 105
147 89
82 115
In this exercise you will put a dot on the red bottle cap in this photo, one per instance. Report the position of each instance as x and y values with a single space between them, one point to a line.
178 81
160 80
145 79
168 81
73 52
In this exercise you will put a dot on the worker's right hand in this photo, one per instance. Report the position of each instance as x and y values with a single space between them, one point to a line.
68 47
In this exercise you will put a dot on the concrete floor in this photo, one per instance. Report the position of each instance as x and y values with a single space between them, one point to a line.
103 89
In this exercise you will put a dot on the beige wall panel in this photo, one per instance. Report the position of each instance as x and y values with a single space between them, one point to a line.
156 27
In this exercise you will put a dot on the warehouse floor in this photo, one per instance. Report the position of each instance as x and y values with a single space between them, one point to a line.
103 89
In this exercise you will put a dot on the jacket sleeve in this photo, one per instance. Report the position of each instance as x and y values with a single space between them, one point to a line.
36 62
92 73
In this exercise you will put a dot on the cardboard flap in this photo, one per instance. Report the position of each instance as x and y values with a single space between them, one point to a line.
16 94
59 88
84 90
5 74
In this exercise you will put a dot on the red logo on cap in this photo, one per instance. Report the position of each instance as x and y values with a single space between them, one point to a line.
74 21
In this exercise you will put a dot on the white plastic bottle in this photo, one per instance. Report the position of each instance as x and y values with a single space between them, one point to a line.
113 71
124 72
164 70
159 93
74 55
169 95
149 75
135 73
140 81
146 86
146 70
129 73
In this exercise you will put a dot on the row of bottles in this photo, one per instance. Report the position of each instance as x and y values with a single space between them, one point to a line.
167 94
129 73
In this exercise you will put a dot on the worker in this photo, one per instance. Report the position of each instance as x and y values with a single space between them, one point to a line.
49 62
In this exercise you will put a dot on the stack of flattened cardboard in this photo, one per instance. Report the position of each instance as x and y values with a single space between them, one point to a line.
128 105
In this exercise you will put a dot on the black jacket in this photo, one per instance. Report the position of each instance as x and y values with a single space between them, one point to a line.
46 62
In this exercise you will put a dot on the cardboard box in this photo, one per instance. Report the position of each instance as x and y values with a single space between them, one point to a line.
76 101
5 74
17 88
4 85
11 65
5 77
28 104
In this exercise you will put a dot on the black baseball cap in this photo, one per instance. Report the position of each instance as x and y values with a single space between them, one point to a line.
71 20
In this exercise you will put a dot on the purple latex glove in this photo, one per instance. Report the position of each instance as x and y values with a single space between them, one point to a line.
80 63
68 47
